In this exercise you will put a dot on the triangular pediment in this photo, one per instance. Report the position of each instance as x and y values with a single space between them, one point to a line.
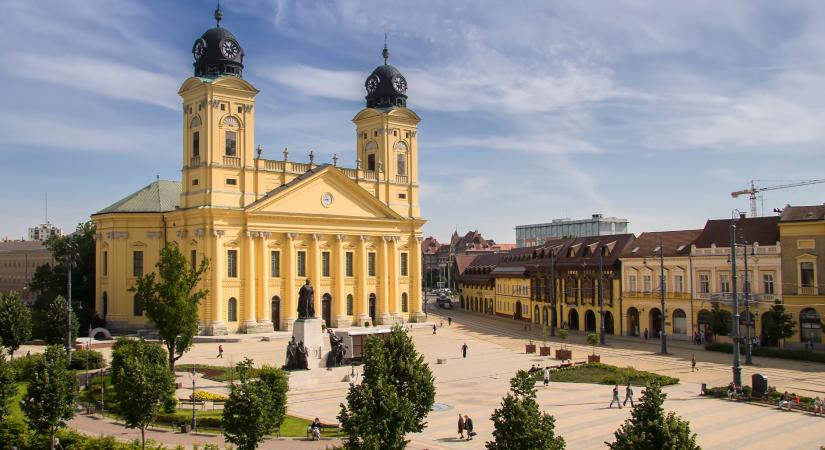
324 191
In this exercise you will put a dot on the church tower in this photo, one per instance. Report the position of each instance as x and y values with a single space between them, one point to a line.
387 140
218 124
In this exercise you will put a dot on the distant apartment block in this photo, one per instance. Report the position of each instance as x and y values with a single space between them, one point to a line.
537 234
44 231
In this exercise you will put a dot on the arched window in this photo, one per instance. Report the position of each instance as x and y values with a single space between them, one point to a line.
137 306
349 304
402 164
405 307
232 310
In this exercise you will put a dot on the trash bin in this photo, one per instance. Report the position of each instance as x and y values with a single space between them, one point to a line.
185 428
759 383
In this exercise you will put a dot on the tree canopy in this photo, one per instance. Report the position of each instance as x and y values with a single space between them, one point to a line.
143 385
720 321
15 322
396 393
50 398
519 423
255 408
649 429
8 388
778 324
170 300
53 322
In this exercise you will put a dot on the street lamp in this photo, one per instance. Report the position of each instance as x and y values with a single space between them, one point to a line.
193 399
662 294
737 368
69 308
601 295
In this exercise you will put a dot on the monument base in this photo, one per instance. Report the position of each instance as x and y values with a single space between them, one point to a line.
418 317
343 322
253 327
385 319
361 319
217 328
315 340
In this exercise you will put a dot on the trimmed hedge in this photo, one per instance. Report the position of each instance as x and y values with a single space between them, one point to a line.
86 359
771 352
606 374
179 418
23 366
772 396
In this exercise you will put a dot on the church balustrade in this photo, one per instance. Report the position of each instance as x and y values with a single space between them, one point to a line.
402 179
370 175
233 161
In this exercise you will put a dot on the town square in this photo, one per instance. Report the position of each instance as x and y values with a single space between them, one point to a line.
377 225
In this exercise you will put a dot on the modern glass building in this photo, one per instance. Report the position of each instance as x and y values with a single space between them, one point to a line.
536 234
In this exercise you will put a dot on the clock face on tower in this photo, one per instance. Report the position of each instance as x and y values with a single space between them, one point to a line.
372 84
326 199
198 49
399 84
230 49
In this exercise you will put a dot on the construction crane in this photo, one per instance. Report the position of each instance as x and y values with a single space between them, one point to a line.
753 190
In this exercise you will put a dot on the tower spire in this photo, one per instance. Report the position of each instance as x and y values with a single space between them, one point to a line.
218 14
385 53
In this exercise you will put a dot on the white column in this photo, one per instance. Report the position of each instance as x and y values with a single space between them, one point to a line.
218 326
289 302
384 282
263 306
249 282
315 272
394 307
361 293
415 280
339 301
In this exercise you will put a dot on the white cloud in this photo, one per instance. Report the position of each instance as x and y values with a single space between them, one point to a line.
336 84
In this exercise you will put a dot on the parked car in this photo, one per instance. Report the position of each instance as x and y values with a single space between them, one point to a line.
446 305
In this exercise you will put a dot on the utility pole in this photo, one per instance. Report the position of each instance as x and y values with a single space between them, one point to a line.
601 295
737 368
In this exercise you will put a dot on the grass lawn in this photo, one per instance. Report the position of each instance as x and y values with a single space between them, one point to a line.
214 373
15 413
606 374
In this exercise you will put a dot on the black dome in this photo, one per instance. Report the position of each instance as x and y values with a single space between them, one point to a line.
217 52
386 87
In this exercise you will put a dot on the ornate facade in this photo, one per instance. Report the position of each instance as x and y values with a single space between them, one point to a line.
268 225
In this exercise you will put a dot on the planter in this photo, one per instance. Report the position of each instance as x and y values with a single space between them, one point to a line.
593 359
564 354
530 348
544 351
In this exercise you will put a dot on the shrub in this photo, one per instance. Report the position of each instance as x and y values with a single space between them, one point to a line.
23 366
607 374
181 418
87 359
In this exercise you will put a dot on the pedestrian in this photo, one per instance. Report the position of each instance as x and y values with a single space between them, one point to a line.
693 363
449 321
461 426
628 395
28 353
702 337
441 324
464 350
616 397
468 425
546 375
645 333
220 351
434 328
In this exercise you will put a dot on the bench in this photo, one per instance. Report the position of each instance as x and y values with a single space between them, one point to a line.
218 402
189 402
324 426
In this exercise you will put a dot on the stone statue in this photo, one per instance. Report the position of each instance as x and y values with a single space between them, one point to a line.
306 301
338 349
296 356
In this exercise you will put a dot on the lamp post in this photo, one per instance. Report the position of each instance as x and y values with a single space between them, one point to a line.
737 368
69 309
193 399
662 295
746 290
601 296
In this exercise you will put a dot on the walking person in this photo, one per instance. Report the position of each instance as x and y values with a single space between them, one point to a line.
628 395
645 333
468 425
616 397
449 321
434 328
693 363
220 351
546 376
464 350
461 426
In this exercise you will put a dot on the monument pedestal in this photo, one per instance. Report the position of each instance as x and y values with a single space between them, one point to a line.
315 340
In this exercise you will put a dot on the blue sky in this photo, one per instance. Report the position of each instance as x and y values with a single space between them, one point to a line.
651 111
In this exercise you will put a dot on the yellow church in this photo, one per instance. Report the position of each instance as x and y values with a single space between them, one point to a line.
267 226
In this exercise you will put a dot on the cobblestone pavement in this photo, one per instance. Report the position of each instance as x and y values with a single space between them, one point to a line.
475 386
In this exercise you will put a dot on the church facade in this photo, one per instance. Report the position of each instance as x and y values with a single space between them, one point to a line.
267 226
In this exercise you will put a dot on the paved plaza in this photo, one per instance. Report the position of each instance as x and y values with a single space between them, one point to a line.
475 386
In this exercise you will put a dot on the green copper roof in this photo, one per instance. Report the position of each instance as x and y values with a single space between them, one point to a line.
160 196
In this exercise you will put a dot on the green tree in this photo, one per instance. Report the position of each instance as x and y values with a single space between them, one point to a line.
151 353
171 298
54 323
50 281
519 423
394 397
50 399
649 429
778 324
144 384
593 340
8 389
720 321
255 408
15 322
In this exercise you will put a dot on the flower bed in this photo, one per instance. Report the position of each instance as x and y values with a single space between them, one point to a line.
209 396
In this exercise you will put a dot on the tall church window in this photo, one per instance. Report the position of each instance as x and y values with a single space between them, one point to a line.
137 263
402 164
196 144
325 264
302 264
403 264
349 264
231 143
137 306
349 304
404 303
105 263
194 258
232 263
371 162
232 310
371 264
275 264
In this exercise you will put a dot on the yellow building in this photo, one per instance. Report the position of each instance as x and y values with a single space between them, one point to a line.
802 234
268 225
